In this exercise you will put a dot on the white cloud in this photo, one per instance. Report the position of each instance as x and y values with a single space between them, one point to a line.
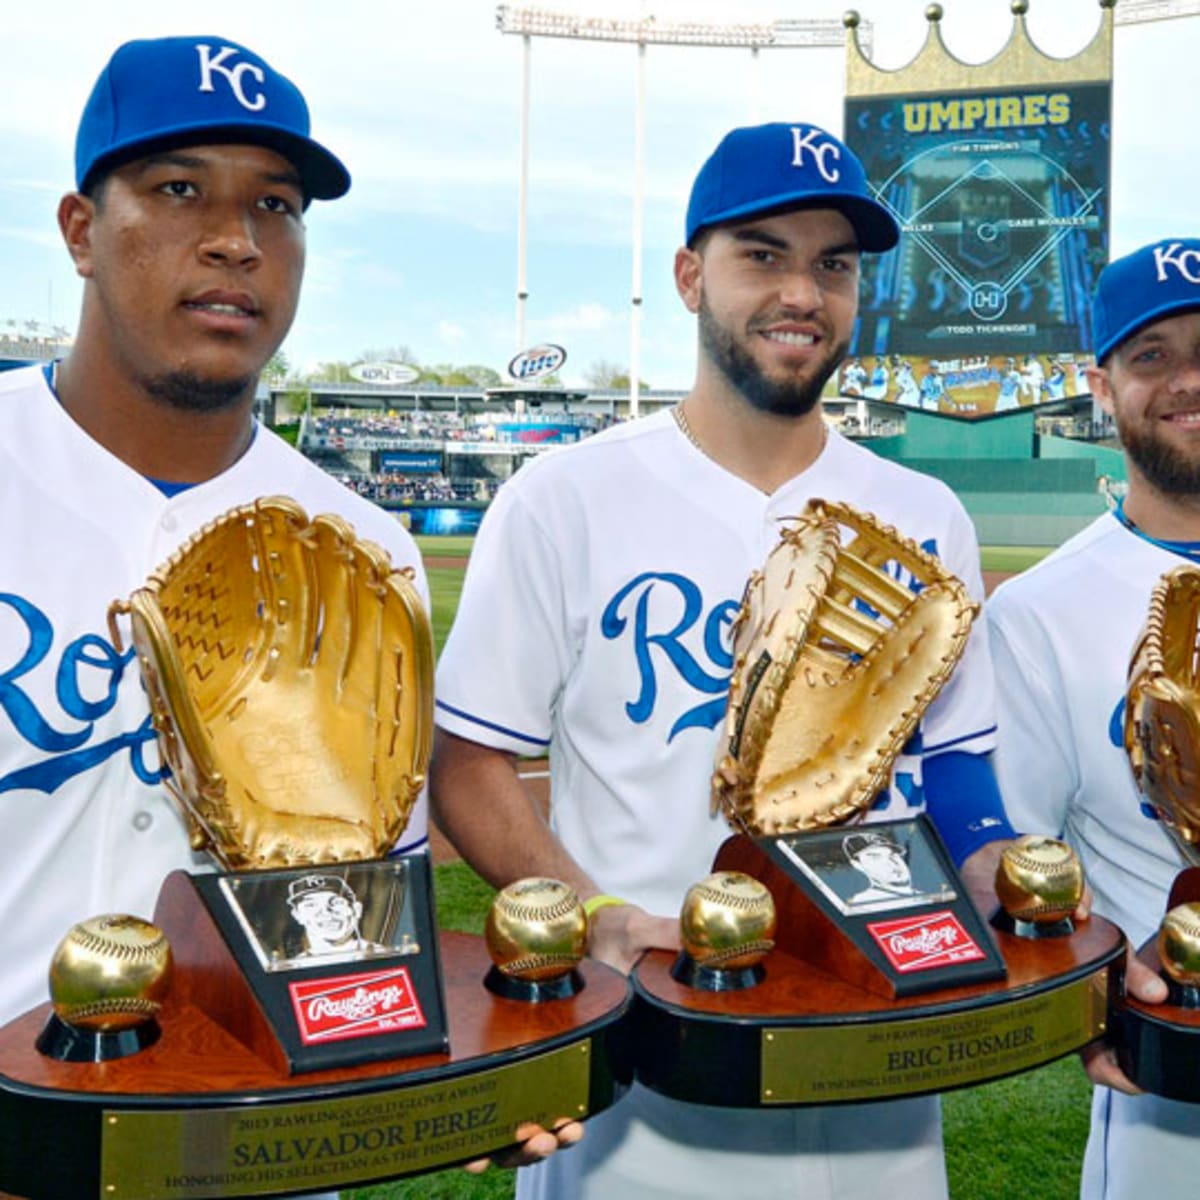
450 333
584 318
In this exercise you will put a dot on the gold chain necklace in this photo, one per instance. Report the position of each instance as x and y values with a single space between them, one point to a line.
684 428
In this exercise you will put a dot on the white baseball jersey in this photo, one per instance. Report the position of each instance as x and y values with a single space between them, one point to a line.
1062 635
594 623
85 826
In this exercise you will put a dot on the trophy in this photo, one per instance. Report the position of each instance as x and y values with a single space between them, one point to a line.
293 1020
1158 1045
886 978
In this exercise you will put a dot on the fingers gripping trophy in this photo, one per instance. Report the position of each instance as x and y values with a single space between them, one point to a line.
846 953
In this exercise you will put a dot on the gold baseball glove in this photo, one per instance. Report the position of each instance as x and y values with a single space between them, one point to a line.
289 667
1162 708
835 662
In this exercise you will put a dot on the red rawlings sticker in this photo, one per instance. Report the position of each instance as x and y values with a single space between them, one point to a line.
354 1006
923 943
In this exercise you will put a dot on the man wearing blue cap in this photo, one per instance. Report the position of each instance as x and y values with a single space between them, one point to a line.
194 166
1062 636
595 625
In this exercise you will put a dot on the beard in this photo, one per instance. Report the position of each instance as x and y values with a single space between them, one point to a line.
792 397
189 392
1165 467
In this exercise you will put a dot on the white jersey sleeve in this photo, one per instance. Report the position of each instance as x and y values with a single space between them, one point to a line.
1035 760
501 670
962 717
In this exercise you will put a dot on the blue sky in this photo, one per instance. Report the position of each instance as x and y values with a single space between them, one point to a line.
422 103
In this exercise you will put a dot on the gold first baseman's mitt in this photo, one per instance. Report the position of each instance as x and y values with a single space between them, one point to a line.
835 662
290 674
1162 708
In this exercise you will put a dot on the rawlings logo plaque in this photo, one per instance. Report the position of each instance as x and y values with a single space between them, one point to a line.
355 1006
925 942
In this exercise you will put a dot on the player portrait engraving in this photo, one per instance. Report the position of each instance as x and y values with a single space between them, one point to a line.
871 869
332 914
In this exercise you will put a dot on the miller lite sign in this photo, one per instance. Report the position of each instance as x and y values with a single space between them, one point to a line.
536 362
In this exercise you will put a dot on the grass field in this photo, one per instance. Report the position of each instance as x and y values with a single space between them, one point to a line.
999 1137
1011 558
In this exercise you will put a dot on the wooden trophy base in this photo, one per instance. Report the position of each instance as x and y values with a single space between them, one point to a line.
198 1114
806 1036
1158 1045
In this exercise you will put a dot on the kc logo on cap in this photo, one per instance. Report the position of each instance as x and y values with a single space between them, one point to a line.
769 168
1159 280
1184 260
232 74
821 146
159 93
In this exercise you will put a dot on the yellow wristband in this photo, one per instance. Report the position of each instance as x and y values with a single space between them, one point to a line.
594 903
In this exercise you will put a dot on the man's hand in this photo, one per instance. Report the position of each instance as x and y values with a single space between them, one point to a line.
621 933
1099 1060
537 1143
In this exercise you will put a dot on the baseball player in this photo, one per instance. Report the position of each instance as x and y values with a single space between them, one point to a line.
1062 634
877 389
854 376
884 864
194 167
933 389
595 625
907 392
329 912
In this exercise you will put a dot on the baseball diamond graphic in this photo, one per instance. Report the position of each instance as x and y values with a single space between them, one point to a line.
995 230
1002 196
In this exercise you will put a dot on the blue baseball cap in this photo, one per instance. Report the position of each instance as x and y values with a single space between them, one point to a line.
1159 280
179 91
764 168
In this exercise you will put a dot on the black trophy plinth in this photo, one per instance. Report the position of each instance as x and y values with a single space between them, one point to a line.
875 989
1158 1045
219 1105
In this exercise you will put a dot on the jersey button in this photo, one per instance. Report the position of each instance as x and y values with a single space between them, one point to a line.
142 821
169 522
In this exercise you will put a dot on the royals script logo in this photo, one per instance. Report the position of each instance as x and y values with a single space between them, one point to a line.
923 943
355 1006
681 645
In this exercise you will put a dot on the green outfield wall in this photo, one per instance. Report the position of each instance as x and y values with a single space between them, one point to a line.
1020 488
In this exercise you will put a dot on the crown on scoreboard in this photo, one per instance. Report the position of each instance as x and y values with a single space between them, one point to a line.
1020 63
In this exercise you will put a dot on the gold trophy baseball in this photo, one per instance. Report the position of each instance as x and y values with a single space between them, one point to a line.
108 980
536 934
1039 883
727 925
1179 952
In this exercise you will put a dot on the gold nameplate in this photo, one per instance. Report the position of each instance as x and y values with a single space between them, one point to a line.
262 1149
823 1063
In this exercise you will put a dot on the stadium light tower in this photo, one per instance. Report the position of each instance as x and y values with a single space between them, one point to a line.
528 23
